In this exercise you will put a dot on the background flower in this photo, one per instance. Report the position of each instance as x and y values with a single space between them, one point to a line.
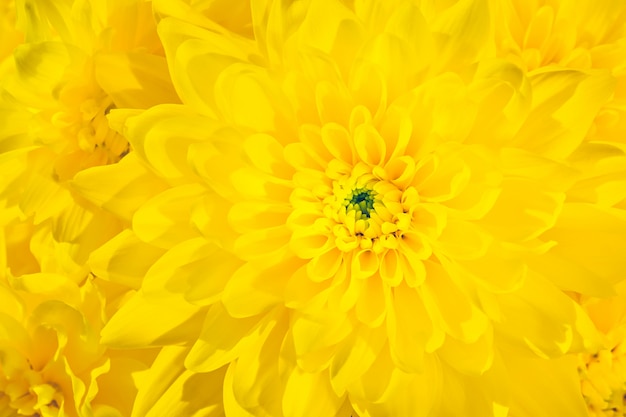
79 60
51 359
602 371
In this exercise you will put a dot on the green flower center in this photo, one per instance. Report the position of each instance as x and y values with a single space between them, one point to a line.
360 200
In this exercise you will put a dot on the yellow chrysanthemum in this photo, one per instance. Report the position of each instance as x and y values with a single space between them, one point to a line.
79 60
603 371
51 361
362 207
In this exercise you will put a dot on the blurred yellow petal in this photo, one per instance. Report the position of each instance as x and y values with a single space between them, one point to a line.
545 387
170 389
171 321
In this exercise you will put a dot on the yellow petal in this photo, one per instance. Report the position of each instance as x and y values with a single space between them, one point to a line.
117 387
538 316
124 259
317 331
256 365
338 142
196 269
370 146
309 393
582 223
164 220
571 275
135 80
365 264
119 188
486 394
546 387
301 290
499 270
355 356
173 390
523 211
504 95
464 29
255 288
244 97
171 320
464 240
163 135
54 285
370 306
446 301
410 329
325 266
231 405
565 103
197 58
222 339
469 358
391 270
385 391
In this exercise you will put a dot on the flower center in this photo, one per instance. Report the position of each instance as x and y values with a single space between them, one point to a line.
367 212
602 382
86 138
26 390
361 201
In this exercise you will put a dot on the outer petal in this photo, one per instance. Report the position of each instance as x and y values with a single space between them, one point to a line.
390 392
462 29
135 80
580 224
119 188
171 321
223 338
355 355
163 135
410 329
196 58
257 371
487 394
255 288
545 388
543 318
449 305
168 389
124 259
165 219
565 103
523 210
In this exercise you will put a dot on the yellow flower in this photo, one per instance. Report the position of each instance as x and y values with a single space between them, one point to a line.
51 359
51 362
603 371
80 60
365 208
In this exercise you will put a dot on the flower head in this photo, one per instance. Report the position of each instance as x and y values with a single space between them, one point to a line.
365 203
55 101
603 371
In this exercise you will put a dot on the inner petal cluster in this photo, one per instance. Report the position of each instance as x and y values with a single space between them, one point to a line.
367 212
83 116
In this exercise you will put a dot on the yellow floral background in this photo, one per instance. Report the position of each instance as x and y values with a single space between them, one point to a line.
313 208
